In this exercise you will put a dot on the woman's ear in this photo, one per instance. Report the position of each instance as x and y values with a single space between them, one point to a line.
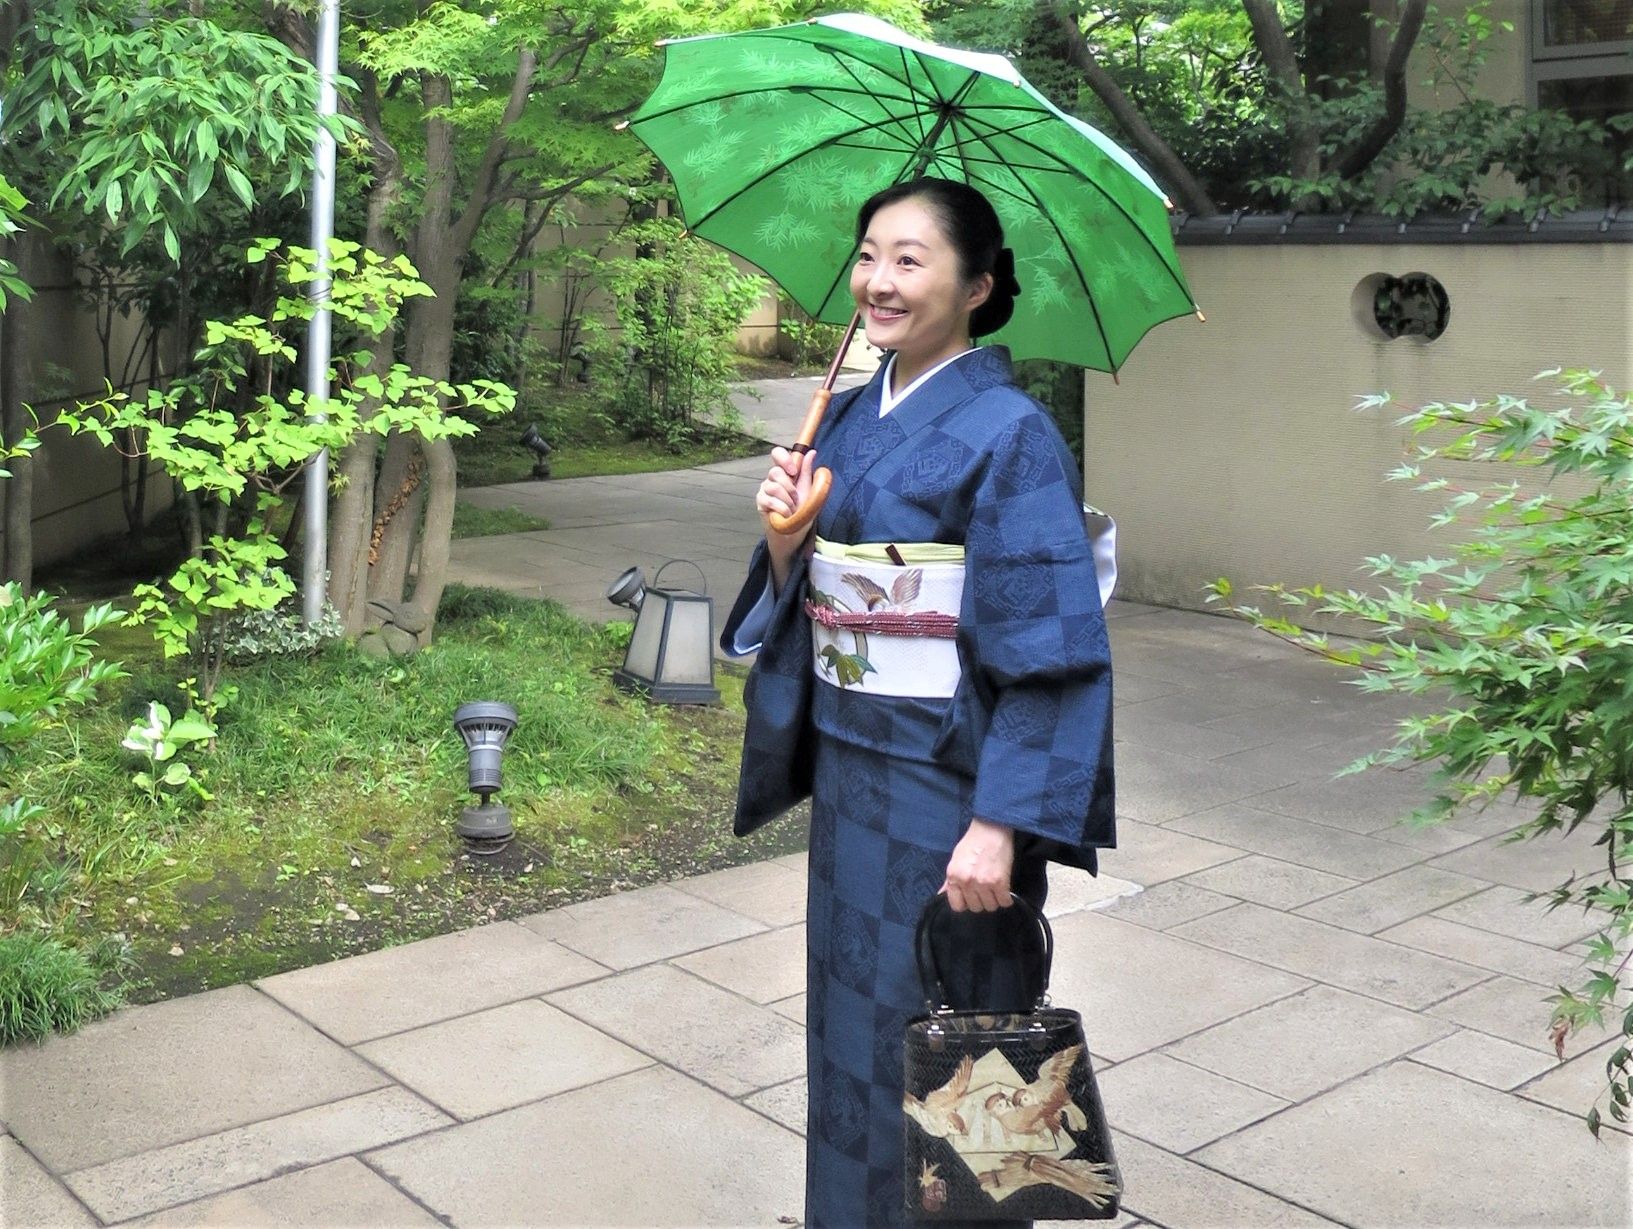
980 291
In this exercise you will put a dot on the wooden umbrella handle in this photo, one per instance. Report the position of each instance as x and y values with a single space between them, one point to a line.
821 481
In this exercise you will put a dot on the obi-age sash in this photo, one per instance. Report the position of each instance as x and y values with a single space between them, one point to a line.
886 628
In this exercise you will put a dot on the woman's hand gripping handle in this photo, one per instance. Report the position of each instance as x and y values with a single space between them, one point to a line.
794 522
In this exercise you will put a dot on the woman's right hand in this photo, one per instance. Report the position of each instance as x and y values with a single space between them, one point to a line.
785 487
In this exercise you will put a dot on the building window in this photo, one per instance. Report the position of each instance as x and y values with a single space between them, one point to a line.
1582 64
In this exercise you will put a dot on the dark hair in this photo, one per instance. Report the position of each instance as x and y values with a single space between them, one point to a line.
971 225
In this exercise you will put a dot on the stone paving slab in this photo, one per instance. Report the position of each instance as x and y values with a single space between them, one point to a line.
501 1058
1175 1192
652 1148
1393 899
1297 840
704 1031
1488 1060
341 1193
1169 904
1362 802
1408 1145
763 968
1311 1042
771 893
640 927
1177 1106
30 1198
1579 1084
1537 865
1147 854
1270 881
183 1173
1156 786
1496 952
151 1076
1339 957
1505 911
1139 989
400 988
1516 1010
782 1103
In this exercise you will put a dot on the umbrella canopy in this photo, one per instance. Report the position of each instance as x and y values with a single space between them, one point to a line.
775 137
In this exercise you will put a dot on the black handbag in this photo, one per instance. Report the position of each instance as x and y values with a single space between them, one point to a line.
1003 1116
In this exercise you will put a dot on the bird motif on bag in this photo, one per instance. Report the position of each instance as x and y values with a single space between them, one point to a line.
938 1112
1092 1181
1043 1105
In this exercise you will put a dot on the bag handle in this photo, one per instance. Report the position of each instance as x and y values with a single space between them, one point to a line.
935 991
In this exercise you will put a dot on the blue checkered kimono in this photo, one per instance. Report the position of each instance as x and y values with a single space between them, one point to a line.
1024 741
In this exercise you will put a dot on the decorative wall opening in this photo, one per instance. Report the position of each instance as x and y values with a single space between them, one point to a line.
1412 305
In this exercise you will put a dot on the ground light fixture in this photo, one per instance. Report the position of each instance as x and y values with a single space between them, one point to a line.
485 725
671 653
539 447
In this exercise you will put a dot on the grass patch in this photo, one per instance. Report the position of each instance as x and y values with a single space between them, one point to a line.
335 782
471 521
586 444
47 986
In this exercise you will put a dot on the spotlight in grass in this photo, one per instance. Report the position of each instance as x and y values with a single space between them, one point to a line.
540 448
485 725
671 653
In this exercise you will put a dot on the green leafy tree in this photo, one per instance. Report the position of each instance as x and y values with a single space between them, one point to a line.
144 133
250 458
1520 638
678 303
484 120
1289 104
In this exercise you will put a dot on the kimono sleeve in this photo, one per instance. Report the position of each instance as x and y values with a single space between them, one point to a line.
1037 639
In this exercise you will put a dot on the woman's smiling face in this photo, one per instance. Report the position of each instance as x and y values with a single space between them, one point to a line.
910 289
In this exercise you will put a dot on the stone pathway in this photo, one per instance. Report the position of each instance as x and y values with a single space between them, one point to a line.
1302 1013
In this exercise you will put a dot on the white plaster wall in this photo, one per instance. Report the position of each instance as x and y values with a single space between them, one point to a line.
1232 448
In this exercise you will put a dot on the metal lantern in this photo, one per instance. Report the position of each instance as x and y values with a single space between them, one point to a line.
671 654
485 725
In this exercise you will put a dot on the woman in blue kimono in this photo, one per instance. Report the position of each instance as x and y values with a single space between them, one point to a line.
933 672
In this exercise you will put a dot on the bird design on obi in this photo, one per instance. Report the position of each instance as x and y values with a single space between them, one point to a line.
1044 1104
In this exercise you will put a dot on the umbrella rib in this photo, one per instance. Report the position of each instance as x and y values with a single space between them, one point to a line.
879 126
761 178
861 91
1070 169
1088 291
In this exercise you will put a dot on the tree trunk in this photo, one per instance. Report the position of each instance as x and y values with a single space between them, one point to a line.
1192 195
17 492
1281 61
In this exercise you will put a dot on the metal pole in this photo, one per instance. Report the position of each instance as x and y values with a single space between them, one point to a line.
314 575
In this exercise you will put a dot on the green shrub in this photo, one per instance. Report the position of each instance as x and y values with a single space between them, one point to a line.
669 364
1523 636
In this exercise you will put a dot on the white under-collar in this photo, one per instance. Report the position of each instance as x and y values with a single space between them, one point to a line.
889 401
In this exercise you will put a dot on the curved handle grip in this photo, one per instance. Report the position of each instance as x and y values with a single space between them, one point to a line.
802 516
924 949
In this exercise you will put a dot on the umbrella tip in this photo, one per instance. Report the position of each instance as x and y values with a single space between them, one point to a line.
1200 316
663 42
1166 203
620 125
1114 378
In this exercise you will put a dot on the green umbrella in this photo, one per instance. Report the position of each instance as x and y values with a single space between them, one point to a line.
775 136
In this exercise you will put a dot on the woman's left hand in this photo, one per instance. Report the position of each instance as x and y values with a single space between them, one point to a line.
978 872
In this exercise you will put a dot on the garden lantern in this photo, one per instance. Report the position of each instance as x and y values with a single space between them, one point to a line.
671 654
485 725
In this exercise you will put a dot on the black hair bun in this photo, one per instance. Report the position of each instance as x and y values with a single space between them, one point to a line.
1000 305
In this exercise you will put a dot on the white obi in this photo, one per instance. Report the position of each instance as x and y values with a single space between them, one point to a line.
885 662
